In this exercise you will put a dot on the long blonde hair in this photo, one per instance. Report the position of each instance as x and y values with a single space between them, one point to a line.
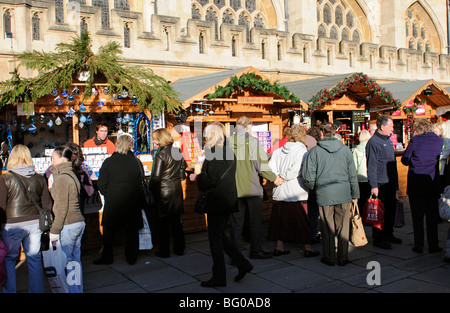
20 156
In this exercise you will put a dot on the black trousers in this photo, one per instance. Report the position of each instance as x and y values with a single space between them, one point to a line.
387 195
170 227
131 243
425 207
254 207
220 243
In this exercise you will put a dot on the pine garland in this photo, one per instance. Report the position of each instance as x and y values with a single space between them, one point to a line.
325 95
255 82
58 69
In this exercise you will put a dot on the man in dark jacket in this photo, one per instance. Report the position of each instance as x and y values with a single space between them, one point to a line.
329 170
383 179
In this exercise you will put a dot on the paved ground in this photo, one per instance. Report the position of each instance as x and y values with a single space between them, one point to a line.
401 270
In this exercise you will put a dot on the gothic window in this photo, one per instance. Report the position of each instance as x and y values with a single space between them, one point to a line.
83 26
7 24
195 13
219 3
338 18
243 20
333 1
327 14
321 32
166 34
258 21
349 19
250 5
414 32
235 4
201 43
36 24
263 49
233 46
122 5
356 36
345 35
203 2
407 29
228 17
428 47
423 33
126 36
420 46
59 11
279 53
411 44
211 15
80 1
104 5
333 33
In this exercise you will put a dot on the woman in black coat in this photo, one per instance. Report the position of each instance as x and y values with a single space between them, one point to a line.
120 182
165 184
218 177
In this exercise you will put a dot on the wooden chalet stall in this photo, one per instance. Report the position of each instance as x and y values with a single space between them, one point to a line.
224 97
418 99
62 117
345 100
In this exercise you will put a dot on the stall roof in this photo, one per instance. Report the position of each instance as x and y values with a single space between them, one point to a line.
409 90
317 91
195 88
307 88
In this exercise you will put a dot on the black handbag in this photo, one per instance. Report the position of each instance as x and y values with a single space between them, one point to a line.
200 204
45 216
147 194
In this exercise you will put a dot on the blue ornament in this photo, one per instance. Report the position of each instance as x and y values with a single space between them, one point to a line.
50 123
100 104
197 109
82 118
119 97
22 127
76 91
65 93
71 112
89 120
54 92
106 91
13 122
42 119
211 112
32 119
134 100
71 97
32 128
82 107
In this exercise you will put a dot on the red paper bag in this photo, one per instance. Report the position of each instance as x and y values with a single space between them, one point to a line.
374 213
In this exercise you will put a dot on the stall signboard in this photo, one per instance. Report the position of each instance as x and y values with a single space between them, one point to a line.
190 147
265 139
359 116
420 109
254 100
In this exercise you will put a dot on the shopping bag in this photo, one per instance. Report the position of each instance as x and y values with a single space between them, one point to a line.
145 235
55 262
374 213
399 215
357 234
444 204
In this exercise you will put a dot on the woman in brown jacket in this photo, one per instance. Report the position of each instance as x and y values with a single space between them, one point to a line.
68 225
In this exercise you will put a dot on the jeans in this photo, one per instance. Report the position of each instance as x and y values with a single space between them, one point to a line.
29 235
71 245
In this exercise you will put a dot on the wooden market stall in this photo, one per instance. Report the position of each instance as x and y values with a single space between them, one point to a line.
224 97
418 99
345 100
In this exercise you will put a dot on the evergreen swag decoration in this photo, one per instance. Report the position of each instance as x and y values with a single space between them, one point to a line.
412 109
56 70
325 95
255 82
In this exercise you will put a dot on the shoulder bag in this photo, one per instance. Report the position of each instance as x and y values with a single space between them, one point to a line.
200 204
45 216
357 234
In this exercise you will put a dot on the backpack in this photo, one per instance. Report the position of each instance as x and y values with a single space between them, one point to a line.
444 204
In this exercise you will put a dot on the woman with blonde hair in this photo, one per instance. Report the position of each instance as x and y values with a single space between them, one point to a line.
218 179
22 224
165 183
120 180
289 220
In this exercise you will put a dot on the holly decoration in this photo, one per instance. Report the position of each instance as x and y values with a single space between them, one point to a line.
326 95
254 82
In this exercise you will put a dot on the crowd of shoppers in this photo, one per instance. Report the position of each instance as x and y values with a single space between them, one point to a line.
316 179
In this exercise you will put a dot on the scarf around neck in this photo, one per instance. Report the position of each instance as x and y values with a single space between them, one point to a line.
99 142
